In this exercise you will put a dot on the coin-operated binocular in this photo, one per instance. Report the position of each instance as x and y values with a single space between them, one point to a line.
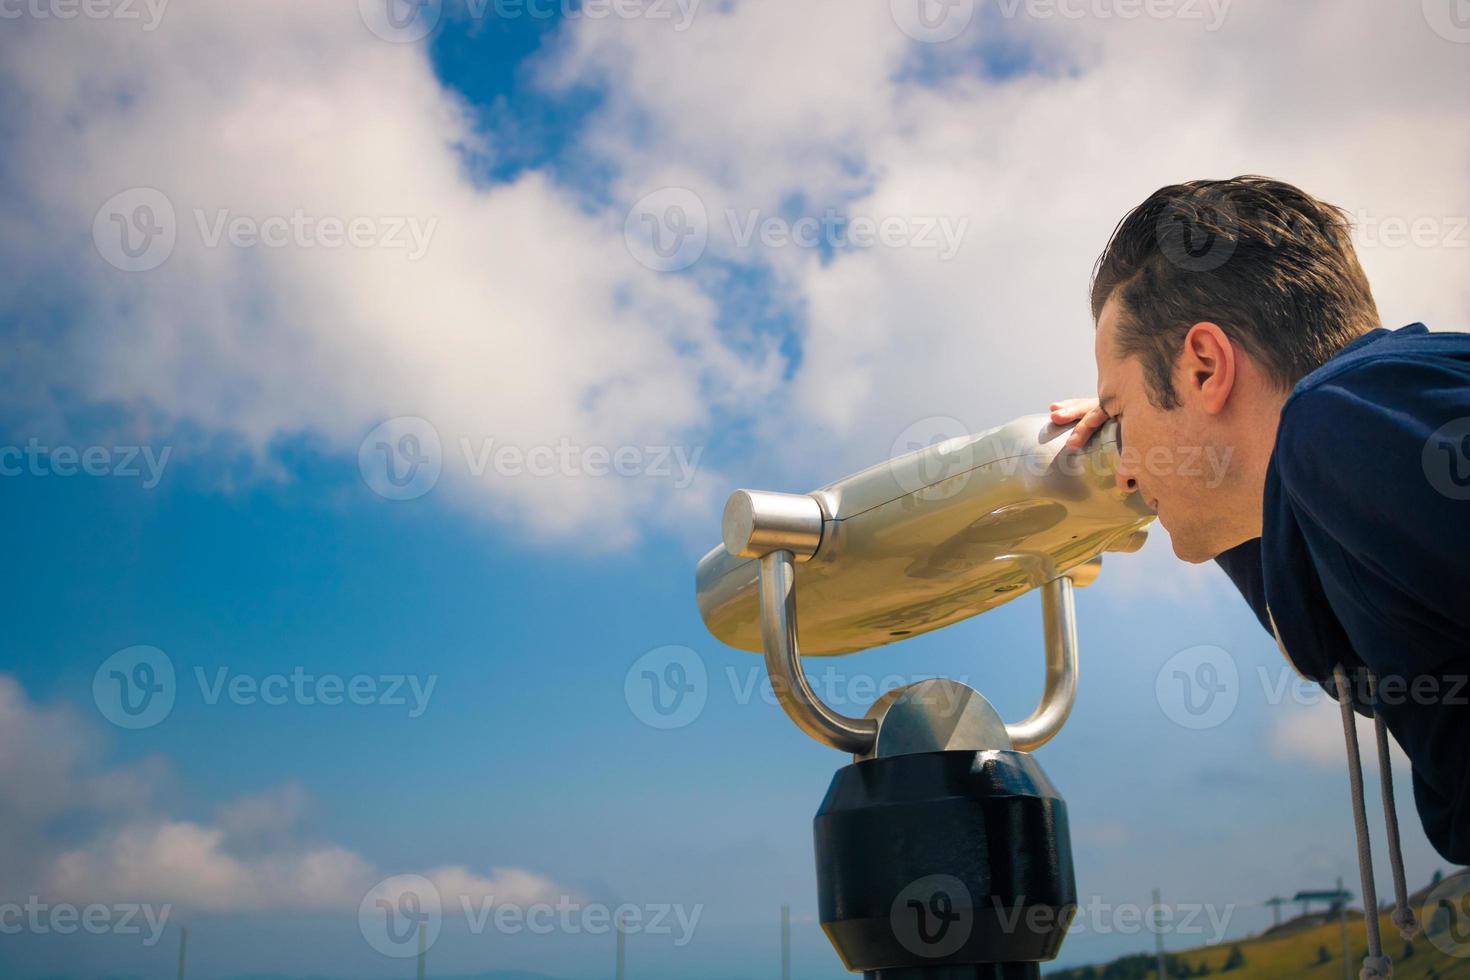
943 852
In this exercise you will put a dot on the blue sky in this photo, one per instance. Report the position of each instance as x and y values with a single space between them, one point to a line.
264 548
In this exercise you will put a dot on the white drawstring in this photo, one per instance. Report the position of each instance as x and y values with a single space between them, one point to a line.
1403 914
1376 966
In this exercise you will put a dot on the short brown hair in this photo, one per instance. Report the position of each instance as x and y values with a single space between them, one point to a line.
1269 263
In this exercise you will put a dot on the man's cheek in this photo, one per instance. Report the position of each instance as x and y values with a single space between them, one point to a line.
1158 462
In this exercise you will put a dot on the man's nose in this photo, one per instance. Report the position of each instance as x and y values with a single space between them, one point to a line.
1125 479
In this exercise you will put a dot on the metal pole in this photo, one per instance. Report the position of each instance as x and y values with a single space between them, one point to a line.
785 942
183 946
1159 933
422 950
622 948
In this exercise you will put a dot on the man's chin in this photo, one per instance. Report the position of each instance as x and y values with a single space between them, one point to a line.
1190 548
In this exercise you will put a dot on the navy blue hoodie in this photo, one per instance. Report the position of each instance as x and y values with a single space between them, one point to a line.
1364 554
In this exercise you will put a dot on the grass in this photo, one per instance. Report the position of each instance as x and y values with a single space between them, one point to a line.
1293 956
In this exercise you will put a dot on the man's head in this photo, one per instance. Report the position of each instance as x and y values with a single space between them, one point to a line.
1212 299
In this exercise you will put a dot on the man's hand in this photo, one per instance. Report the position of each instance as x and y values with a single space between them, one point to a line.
1071 410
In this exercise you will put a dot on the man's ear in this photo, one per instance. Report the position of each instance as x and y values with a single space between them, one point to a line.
1207 366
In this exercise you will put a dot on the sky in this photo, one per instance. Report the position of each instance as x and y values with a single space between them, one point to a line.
375 374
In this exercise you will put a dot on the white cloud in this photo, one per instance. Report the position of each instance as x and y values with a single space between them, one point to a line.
1042 165
186 864
266 815
1312 733
528 322
506 886
46 766
254 856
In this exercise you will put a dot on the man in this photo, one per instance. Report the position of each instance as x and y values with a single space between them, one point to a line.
1232 317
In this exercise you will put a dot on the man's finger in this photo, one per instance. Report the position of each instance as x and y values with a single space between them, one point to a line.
1070 410
1090 423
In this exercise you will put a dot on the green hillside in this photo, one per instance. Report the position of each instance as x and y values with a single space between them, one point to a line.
1288 955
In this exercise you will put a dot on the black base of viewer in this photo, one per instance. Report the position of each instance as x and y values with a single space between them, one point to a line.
945 866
